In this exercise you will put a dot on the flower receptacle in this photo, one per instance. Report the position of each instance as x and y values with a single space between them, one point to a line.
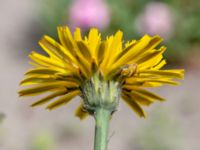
98 93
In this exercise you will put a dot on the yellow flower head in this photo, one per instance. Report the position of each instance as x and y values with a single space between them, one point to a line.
99 71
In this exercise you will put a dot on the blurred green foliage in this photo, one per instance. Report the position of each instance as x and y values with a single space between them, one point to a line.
124 13
42 141
52 14
2 117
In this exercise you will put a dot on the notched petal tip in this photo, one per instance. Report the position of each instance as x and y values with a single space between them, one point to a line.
144 116
49 108
43 37
182 73
60 27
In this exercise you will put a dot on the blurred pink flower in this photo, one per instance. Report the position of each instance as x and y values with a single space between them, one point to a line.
156 19
89 13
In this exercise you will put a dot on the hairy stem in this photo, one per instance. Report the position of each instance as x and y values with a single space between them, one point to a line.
102 118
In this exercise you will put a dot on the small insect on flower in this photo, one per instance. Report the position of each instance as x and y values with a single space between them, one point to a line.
99 71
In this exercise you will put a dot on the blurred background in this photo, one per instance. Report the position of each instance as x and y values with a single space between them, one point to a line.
173 125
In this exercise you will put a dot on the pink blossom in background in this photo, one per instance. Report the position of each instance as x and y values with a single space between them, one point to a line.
89 13
156 19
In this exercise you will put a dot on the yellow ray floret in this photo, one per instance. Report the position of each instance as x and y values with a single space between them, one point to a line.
76 61
81 113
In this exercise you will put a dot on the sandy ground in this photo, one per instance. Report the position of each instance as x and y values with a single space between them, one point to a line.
60 128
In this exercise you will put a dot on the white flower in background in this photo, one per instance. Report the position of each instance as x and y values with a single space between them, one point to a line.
89 13
156 19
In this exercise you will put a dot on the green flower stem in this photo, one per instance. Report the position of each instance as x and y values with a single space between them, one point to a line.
102 118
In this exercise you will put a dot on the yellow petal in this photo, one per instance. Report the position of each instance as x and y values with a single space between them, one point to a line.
134 105
93 40
106 55
150 58
136 79
101 52
52 63
149 81
128 47
152 84
37 79
129 43
155 41
133 51
80 113
173 73
141 84
83 58
34 64
147 94
63 99
141 99
94 66
50 97
59 49
45 87
160 65
85 67
40 89
50 49
66 38
45 61
162 81
77 34
115 48
84 50
36 71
